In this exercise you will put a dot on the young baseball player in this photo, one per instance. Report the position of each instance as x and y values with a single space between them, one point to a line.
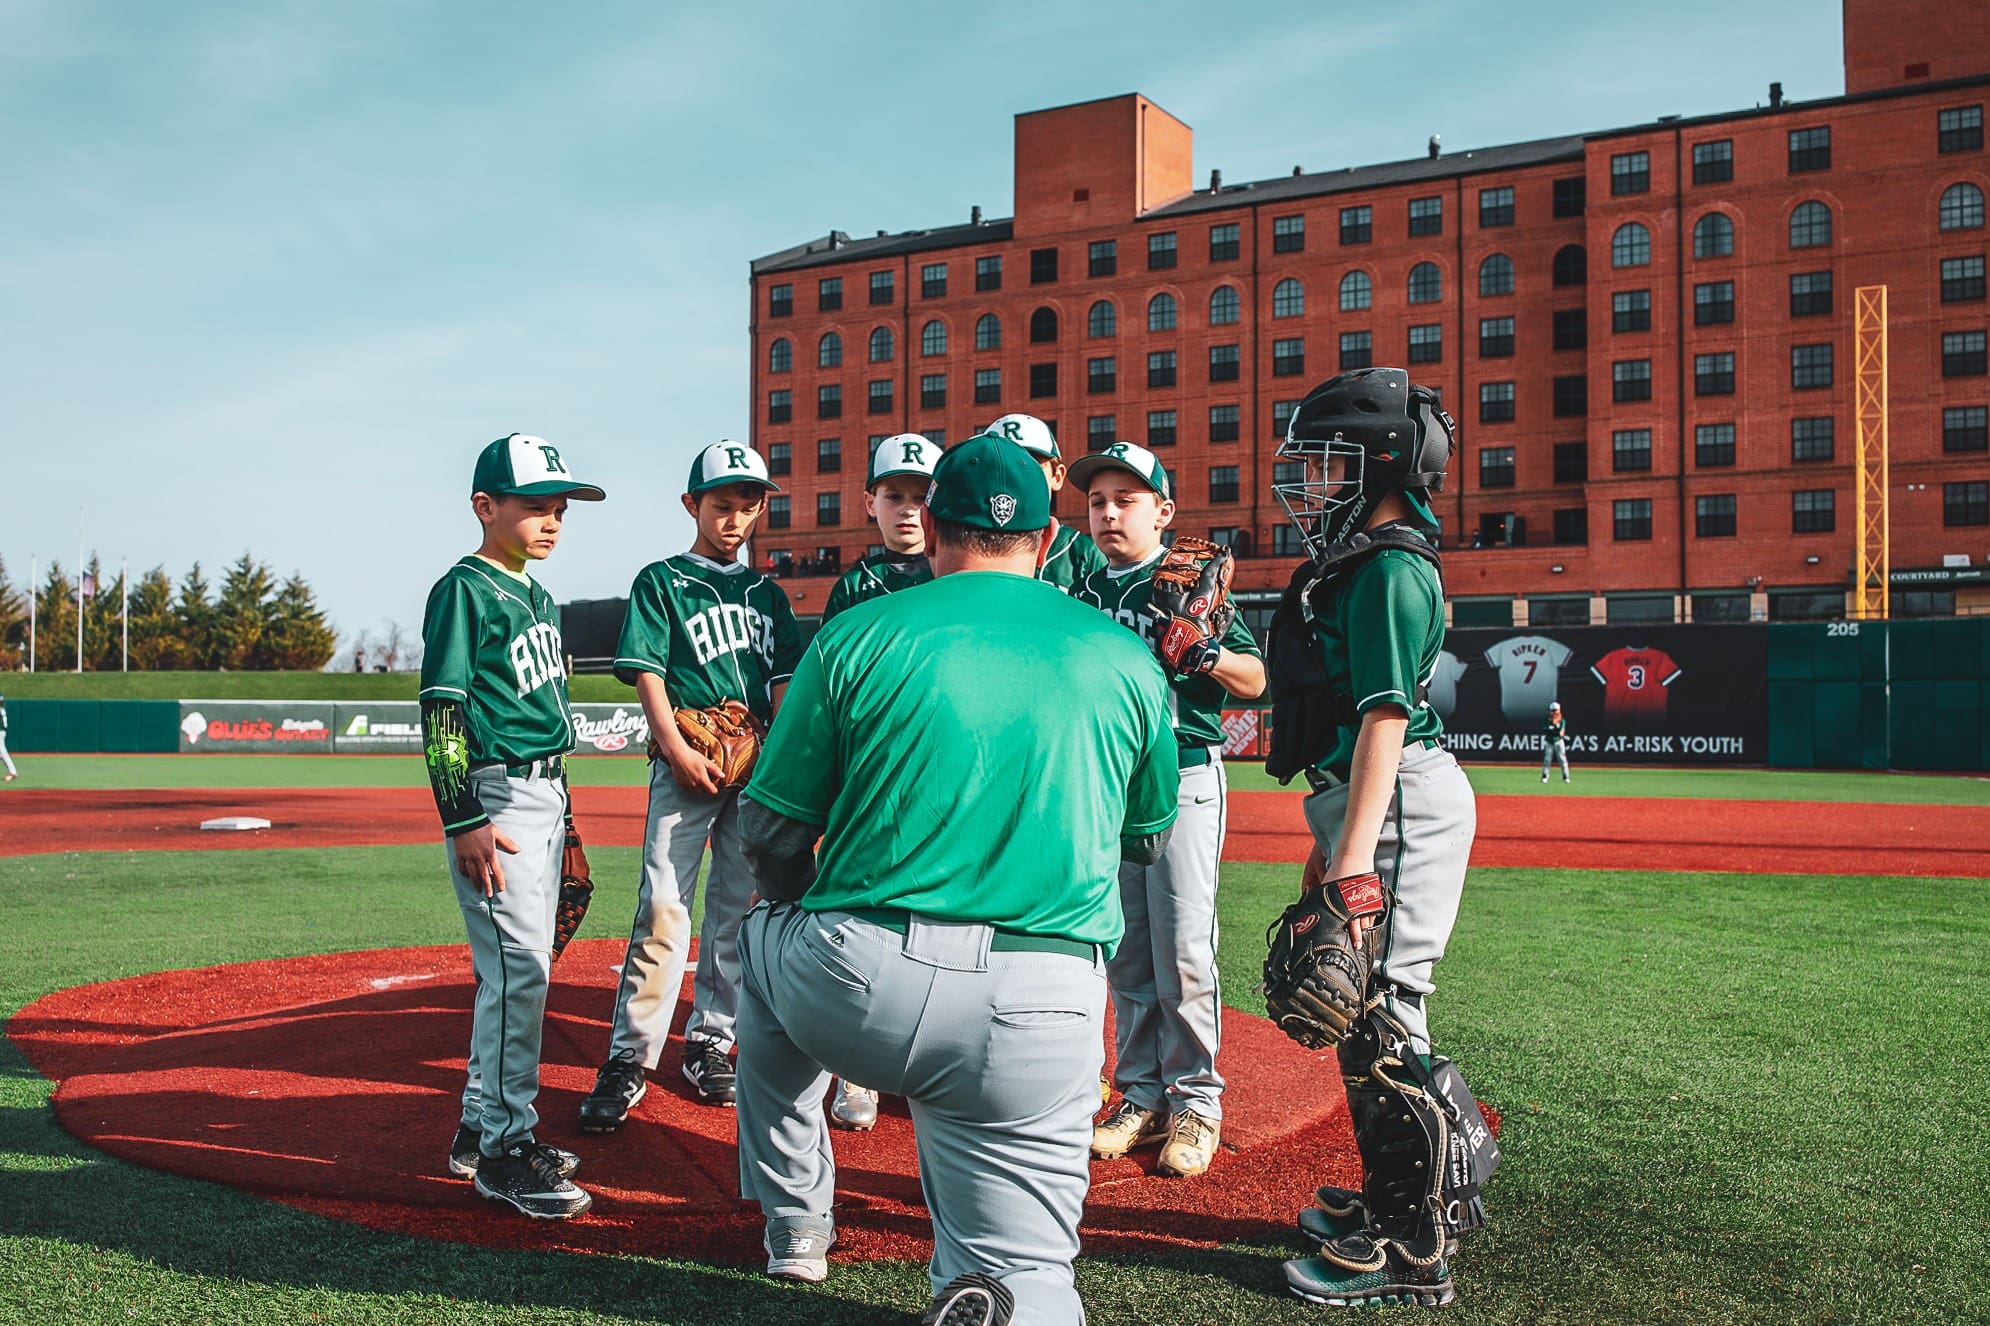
1167 1002
703 629
1555 742
496 731
950 945
8 760
1391 813
1069 556
901 473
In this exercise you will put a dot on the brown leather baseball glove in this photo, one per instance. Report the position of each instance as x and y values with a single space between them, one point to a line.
576 890
1190 605
728 736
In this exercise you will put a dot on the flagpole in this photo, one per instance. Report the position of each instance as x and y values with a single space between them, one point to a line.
34 594
79 591
124 607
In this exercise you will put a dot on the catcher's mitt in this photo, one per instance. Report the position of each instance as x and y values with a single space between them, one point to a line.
576 889
728 736
1190 606
1315 980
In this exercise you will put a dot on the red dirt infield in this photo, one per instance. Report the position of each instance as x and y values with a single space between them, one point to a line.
331 1084
1597 833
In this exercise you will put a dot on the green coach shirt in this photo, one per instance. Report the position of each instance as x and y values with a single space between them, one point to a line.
1381 628
1071 558
713 631
874 577
491 642
974 749
1196 703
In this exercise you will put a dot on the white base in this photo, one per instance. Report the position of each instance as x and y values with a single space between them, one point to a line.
235 822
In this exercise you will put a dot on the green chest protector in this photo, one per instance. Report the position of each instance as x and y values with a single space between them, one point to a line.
1308 708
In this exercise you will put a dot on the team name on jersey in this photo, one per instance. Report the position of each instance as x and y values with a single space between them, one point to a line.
1140 623
728 628
537 657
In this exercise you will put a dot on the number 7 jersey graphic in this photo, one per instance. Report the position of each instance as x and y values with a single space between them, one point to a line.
1530 672
1635 681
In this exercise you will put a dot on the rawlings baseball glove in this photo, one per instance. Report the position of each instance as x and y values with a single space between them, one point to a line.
1315 979
1190 606
728 736
576 889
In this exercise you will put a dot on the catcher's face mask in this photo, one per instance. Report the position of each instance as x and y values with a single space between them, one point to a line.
1331 501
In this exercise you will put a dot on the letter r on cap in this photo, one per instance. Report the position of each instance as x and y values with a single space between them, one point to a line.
736 457
914 453
1013 430
552 455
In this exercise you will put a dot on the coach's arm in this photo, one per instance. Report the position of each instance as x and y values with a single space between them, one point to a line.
779 850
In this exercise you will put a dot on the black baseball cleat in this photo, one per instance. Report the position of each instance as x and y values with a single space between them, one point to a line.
974 1299
465 1155
618 1087
708 1068
527 1178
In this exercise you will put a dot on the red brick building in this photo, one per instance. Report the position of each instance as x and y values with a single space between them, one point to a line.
1646 335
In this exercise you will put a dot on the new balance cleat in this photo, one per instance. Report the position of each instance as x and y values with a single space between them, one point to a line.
618 1088
708 1068
852 1106
798 1254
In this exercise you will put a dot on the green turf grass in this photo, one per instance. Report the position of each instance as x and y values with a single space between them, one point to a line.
183 771
1729 1099
255 686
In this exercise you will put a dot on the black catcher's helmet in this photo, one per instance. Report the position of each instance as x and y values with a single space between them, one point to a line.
1361 436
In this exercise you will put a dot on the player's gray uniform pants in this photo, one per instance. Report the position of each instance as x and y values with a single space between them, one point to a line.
1555 750
680 824
511 948
997 1053
1421 853
5 758
1166 1001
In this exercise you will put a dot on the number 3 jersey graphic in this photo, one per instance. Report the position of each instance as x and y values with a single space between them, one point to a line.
1634 682
1530 672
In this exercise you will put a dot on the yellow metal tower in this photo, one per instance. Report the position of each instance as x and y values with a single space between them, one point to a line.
1869 595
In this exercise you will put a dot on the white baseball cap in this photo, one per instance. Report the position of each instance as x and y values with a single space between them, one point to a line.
530 467
1027 431
903 453
1136 460
727 461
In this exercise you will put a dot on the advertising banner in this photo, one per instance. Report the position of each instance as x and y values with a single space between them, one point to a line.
250 727
610 729
377 727
1629 694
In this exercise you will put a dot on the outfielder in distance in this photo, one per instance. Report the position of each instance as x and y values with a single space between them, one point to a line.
1167 1001
5 758
1555 742
950 946
703 631
1353 643
496 731
1069 556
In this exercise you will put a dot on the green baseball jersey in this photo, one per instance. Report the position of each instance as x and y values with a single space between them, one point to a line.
1071 558
713 631
875 576
1381 628
1554 730
1195 703
949 785
491 642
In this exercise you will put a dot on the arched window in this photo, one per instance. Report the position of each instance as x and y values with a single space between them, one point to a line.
1810 226
988 332
1224 307
1713 236
881 346
1496 275
1962 207
933 338
1043 326
829 351
780 356
1630 246
1426 283
1571 265
1161 311
1103 320
1356 292
1288 299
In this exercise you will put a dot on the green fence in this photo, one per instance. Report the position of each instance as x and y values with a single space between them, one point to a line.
1880 695
117 727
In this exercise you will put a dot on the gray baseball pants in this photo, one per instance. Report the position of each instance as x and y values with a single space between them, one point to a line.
511 950
1555 750
1166 1000
680 824
7 759
1421 853
997 1053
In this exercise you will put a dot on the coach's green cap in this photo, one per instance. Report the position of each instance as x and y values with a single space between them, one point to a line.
727 461
528 466
1028 432
1136 460
989 482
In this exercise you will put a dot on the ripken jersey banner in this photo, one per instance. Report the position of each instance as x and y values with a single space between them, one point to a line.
382 727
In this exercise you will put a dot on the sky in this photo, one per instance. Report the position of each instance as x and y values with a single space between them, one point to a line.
271 273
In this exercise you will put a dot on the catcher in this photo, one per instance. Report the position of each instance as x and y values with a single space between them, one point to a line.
1165 994
1353 645
709 645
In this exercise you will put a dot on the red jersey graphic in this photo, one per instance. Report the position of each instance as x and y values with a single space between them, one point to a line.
1634 682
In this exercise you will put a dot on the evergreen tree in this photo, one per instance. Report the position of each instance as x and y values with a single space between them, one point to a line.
13 622
299 638
242 613
195 612
157 644
55 621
